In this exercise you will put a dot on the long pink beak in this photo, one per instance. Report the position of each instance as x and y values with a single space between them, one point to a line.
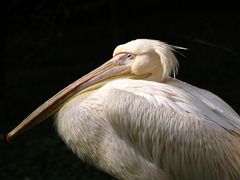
114 67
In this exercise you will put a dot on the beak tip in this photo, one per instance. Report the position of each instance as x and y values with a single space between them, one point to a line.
4 138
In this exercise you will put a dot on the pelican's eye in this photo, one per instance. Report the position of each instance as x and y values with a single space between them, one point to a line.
130 56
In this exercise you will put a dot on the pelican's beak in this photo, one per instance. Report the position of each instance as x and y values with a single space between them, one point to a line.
114 67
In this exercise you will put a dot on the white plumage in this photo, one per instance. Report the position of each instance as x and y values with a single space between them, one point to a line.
173 125
143 124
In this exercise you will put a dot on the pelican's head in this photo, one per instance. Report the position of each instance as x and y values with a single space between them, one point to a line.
138 59
151 57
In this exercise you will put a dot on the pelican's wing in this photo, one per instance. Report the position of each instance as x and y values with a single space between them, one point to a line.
176 126
184 99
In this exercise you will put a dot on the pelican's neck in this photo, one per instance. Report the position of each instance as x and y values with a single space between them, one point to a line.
156 76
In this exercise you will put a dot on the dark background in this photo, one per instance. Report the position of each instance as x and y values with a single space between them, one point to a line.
49 44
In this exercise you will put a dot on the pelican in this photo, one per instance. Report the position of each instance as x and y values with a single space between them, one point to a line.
132 120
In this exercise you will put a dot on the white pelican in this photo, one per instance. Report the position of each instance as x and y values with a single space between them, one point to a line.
130 119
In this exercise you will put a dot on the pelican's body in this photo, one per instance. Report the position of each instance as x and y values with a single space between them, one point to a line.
143 124
146 130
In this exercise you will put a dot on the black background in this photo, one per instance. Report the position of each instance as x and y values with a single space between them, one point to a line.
49 44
